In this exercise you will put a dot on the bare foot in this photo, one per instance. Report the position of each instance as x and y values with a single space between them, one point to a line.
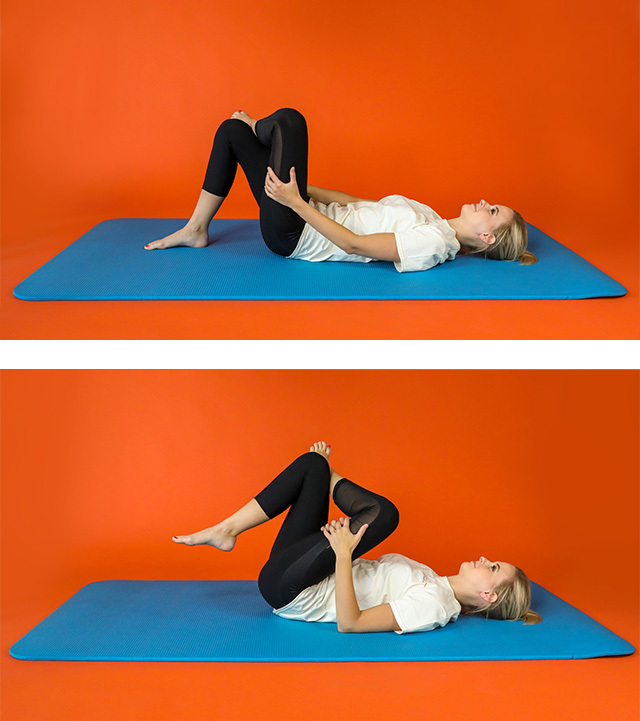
322 448
184 236
216 536
241 115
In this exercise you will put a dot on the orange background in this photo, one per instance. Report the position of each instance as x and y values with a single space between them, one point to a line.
101 468
112 110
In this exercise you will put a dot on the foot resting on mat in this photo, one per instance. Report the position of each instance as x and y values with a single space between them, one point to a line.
208 204
184 236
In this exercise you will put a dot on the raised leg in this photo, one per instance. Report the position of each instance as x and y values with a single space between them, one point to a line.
223 535
297 564
303 487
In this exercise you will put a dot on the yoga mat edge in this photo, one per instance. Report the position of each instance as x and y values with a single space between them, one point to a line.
228 621
109 263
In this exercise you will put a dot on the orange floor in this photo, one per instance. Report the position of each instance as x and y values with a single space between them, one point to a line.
608 318
594 689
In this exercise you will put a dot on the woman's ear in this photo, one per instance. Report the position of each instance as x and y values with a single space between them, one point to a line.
488 239
489 596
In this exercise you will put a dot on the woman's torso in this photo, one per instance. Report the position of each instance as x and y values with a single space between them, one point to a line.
416 226
419 598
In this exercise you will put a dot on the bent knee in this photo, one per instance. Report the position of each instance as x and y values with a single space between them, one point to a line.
291 117
390 513
311 459
232 126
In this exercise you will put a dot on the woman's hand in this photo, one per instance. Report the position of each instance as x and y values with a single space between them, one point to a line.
340 537
284 193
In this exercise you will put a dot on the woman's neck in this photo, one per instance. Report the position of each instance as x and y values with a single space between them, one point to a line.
460 591
460 230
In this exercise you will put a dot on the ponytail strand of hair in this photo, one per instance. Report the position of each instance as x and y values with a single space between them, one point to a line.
527 258
531 617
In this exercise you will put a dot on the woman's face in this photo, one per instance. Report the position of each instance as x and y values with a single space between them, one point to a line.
483 219
484 576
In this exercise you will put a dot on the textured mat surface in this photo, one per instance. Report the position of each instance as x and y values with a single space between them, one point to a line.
229 621
109 263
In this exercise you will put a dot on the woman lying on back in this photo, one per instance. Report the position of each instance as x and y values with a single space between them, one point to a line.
311 574
308 223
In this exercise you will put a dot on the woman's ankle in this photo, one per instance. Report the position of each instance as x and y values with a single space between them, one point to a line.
197 226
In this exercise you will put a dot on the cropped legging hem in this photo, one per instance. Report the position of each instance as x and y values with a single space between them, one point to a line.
301 555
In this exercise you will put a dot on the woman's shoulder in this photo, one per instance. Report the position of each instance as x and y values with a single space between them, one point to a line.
394 557
404 560
403 200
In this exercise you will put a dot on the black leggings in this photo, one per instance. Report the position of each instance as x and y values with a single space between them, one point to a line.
301 555
282 143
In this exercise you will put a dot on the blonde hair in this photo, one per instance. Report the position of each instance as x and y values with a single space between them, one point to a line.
511 243
513 602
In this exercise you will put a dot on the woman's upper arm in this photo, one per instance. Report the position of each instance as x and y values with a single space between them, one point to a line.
378 618
380 246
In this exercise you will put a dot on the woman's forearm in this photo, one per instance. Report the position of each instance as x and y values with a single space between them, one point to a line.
347 609
336 233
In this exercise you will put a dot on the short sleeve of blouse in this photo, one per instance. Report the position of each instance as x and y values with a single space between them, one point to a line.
420 248
418 612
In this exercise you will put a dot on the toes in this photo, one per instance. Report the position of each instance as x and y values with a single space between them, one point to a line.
321 447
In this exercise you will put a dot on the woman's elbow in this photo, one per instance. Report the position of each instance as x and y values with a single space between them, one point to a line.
351 248
353 245
345 628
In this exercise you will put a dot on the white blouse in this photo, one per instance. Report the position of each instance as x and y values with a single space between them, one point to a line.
419 598
423 238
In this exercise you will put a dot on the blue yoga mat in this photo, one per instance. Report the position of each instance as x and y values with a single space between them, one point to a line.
109 263
229 621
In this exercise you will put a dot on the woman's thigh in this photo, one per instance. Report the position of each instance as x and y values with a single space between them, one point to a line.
285 133
281 143
289 571
302 489
296 565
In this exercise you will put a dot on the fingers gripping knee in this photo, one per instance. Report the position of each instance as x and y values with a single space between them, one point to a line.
382 516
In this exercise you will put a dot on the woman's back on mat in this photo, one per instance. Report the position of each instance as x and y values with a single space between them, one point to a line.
315 571
305 222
